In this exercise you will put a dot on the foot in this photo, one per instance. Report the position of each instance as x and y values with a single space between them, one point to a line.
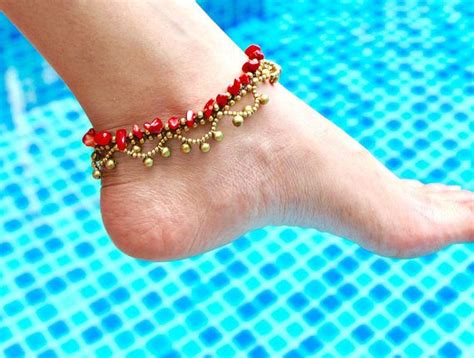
286 166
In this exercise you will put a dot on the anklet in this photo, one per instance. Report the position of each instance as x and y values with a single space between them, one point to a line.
255 70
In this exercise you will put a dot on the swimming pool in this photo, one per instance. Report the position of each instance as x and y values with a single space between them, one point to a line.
396 75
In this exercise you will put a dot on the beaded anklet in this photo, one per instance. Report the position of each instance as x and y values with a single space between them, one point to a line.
255 71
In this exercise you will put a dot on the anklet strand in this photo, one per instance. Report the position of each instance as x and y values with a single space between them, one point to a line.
256 70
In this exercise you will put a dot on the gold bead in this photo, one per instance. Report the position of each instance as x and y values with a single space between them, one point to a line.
238 120
165 152
264 99
110 164
136 149
205 147
148 162
185 148
265 72
96 174
218 135
248 108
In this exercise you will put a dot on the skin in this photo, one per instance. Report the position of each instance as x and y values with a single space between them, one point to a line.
129 61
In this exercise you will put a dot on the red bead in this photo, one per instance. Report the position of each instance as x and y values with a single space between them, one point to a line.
251 65
251 49
209 108
155 126
190 118
257 55
222 100
103 138
88 138
235 88
244 79
120 137
137 131
173 123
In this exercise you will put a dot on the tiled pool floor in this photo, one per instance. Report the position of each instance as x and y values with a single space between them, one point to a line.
397 76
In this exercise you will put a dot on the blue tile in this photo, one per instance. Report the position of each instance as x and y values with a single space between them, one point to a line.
100 306
196 320
152 300
258 352
244 339
190 277
159 345
313 316
46 312
237 269
58 329
53 245
107 280
35 341
210 336
269 271
448 322
380 266
220 280
450 350
331 303
124 340
430 308
396 335
56 285
311 345
24 280
33 255
48 354
247 311
298 301
224 255
332 251
13 308
5 249
293 354
183 304
144 327
348 290
379 293
14 351
413 322
362 333
119 295
111 323
92 335
332 277
446 295
412 294
266 298
35 296
84 249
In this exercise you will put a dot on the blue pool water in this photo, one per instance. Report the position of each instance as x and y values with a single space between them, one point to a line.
396 75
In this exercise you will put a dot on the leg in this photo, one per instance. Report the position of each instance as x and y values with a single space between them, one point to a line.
288 165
